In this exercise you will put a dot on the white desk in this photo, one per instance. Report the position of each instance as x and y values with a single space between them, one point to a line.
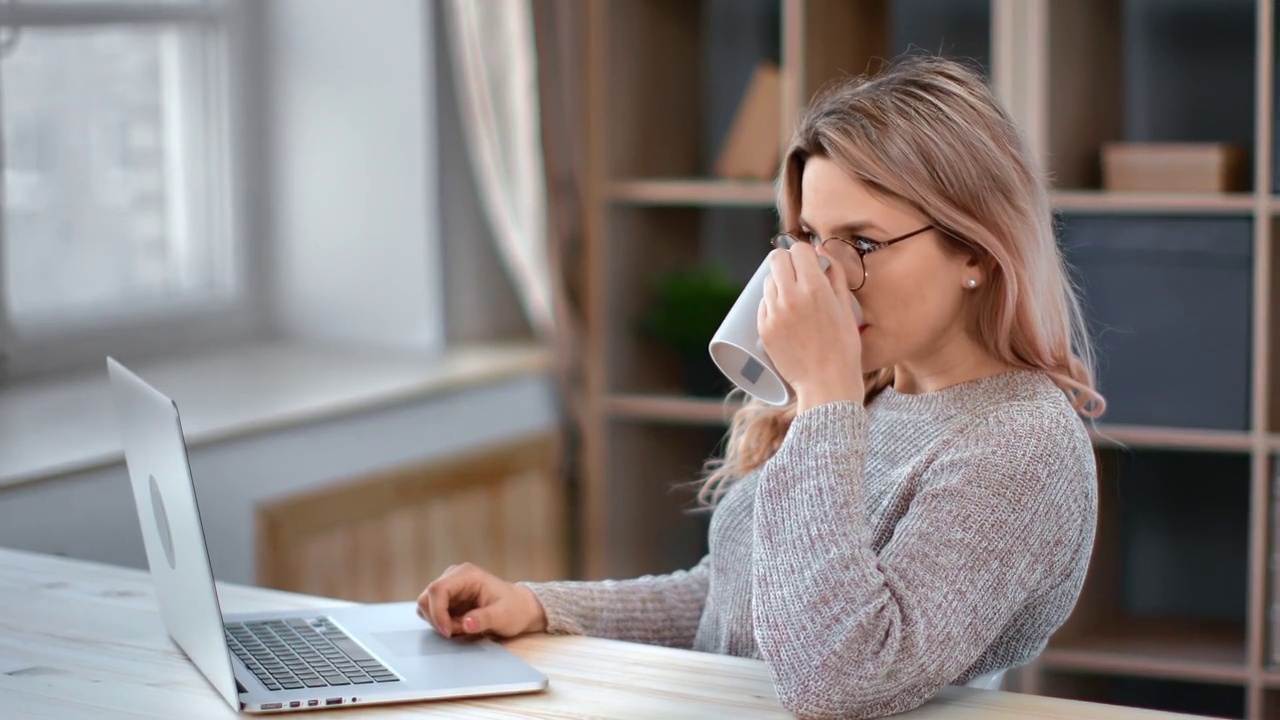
85 640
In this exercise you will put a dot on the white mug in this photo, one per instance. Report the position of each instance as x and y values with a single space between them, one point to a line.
738 352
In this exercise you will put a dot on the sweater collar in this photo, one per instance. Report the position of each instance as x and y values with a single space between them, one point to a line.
970 394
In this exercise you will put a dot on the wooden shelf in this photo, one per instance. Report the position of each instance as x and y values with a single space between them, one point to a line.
698 192
687 410
708 411
692 192
1171 649
1164 203
671 408
1139 436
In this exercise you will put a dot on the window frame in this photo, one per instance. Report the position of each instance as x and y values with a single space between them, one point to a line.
138 333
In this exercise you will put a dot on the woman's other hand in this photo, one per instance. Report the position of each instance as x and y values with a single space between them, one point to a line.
468 600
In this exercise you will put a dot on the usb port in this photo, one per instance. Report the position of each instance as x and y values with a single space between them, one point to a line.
333 701
296 703
271 706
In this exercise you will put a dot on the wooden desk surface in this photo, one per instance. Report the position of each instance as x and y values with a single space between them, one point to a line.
85 640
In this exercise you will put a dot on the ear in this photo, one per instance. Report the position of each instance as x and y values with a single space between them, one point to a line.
972 262
975 269
978 267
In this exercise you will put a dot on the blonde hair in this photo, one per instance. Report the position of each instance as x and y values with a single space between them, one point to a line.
928 131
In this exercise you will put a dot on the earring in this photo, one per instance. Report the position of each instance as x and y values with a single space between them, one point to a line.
972 283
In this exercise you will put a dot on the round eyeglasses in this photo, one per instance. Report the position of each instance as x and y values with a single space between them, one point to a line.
849 252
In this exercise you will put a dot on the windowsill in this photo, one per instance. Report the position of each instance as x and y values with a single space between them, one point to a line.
52 428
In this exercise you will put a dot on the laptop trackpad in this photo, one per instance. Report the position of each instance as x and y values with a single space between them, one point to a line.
418 643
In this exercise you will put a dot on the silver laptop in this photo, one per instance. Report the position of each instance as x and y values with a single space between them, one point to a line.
283 661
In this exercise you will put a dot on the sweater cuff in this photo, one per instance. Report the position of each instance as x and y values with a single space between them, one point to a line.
818 469
831 434
556 599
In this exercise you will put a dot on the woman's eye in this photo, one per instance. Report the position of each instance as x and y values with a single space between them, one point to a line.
865 244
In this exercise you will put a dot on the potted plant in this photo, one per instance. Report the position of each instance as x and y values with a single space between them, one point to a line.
687 307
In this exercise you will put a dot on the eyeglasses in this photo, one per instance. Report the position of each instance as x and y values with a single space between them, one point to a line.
848 251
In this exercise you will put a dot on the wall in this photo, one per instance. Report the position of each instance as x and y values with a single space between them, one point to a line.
353 149
358 138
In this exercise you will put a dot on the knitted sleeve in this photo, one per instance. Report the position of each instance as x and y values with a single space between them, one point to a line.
653 609
847 632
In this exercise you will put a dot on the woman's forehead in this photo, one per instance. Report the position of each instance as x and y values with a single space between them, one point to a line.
832 199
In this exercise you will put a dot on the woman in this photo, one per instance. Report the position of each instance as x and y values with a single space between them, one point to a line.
924 512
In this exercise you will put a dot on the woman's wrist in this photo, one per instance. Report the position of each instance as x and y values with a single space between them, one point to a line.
536 613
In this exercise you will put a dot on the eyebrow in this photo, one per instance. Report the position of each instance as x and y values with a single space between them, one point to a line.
852 227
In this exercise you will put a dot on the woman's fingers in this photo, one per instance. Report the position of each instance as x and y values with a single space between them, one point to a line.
839 281
781 270
457 584
480 620
808 272
433 604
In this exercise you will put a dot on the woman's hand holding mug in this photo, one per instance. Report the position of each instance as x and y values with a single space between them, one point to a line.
808 326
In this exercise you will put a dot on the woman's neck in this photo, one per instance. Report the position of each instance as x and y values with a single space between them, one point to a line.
962 361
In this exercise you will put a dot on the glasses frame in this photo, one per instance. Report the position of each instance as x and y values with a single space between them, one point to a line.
791 239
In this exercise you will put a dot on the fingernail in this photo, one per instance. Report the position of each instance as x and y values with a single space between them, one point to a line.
469 624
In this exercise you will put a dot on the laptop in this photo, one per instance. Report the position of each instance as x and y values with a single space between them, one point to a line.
293 660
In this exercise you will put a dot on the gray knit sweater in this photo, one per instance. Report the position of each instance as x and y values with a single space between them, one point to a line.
883 552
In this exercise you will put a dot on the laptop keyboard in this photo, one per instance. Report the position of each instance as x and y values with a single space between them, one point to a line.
304 653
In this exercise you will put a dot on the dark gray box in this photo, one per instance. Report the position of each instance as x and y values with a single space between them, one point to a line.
1184 533
1168 301
1189 70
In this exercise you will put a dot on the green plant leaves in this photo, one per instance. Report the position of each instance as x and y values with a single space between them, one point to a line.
687 307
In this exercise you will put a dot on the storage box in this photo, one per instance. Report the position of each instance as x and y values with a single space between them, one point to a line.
1168 301
1180 513
752 150
1273 569
1174 167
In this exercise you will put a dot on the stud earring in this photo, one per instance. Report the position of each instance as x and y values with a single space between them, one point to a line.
972 283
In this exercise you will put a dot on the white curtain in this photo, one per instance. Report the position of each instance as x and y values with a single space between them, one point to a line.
494 54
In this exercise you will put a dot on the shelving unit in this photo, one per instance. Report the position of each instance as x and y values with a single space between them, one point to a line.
1095 201
663 80
1207 652
704 193
674 409
1135 436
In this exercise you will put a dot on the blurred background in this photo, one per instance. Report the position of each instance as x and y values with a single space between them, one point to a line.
433 280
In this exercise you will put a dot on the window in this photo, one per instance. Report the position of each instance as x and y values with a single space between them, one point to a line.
117 226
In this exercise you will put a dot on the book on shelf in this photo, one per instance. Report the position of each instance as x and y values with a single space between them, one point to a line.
1273 571
751 150
1174 167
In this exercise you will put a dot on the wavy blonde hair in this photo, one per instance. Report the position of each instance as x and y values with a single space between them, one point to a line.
929 132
